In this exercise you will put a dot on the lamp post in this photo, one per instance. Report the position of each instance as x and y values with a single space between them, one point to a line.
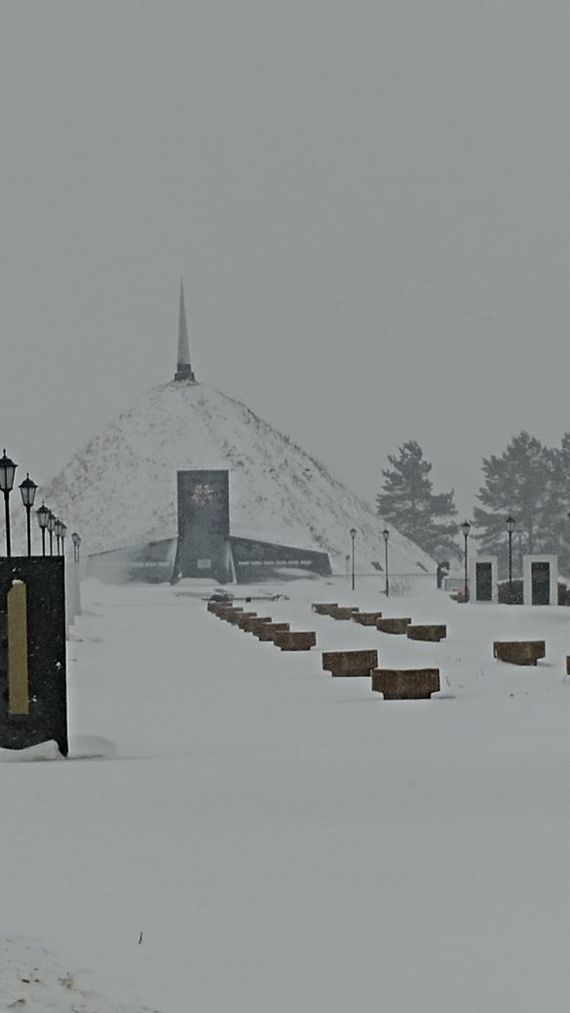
63 532
510 528
353 536
76 539
386 535
28 494
43 516
50 526
57 532
7 472
466 528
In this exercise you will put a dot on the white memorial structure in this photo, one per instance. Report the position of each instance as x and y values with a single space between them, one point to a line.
540 579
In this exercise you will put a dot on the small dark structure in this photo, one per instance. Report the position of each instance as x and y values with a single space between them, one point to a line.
431 632
349 663
406 683
33 691
254 560
519 652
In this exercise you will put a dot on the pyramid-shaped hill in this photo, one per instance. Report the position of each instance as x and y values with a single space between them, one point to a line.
120 489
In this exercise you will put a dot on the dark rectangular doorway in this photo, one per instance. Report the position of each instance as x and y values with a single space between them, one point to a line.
483 581
540 583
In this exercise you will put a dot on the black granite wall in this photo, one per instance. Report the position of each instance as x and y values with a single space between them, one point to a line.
45 583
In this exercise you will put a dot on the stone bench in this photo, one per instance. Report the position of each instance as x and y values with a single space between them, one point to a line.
366 618
393 625
406 683
349 663
267 631
324 608
430 632
250 623
519 652
287 640
343 612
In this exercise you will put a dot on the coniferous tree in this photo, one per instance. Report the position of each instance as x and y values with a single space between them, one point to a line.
558 519
520 483
408 502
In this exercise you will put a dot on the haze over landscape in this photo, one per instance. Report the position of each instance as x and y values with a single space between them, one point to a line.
259 752
368 203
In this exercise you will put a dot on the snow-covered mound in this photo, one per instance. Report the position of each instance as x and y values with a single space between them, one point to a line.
31 980
120 489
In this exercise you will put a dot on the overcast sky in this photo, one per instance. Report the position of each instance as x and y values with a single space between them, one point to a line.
368 200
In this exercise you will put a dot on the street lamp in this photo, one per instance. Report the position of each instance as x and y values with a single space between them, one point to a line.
386 535
43 517
353 536
510 522
63 532
76 539
7 472
50 526
57 532
28 494
466 528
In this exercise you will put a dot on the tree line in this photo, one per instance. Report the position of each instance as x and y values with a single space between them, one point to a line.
528 481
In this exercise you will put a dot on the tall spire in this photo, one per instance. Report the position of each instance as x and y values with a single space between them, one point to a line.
183 367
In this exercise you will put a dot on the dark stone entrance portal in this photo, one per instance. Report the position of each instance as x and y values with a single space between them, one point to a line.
540 583
483 581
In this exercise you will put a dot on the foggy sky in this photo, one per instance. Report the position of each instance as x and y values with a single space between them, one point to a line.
368 201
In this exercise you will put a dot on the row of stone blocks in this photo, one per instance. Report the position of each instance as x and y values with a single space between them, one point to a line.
263 628
394 684
401 625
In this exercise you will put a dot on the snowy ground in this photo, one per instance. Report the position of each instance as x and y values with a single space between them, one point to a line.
258 837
